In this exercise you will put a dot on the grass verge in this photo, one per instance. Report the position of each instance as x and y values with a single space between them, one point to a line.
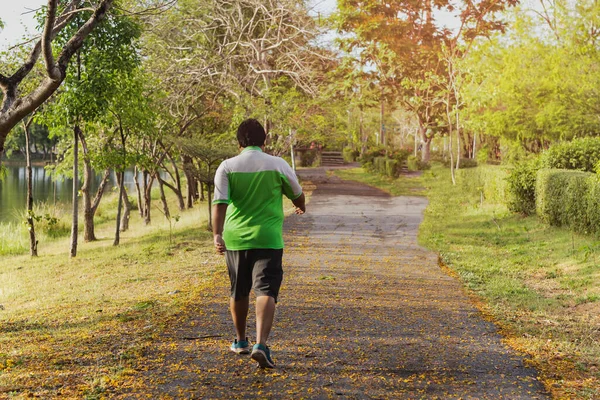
74 328
540 284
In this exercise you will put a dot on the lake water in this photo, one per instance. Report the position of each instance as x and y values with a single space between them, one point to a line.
13 190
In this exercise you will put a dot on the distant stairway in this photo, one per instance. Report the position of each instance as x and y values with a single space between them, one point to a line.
331 158
404 168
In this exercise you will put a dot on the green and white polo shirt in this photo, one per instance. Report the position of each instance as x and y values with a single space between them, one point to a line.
253 184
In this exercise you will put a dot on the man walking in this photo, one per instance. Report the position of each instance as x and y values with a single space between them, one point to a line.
247 226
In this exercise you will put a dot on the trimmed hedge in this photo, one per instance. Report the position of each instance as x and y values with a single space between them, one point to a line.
569 198
521 187
464 163
579 154
386 166
415 164
375 160
489 179
350 154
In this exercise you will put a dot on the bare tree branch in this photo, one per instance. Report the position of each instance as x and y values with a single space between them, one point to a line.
51 69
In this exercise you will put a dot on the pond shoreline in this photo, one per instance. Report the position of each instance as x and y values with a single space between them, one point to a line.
23 163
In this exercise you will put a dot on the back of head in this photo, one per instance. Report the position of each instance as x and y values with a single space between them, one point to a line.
251 133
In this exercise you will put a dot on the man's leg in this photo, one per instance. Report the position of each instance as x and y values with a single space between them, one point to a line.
239 314
266 276
241 282
265 312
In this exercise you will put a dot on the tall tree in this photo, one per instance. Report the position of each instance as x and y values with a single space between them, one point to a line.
85 99
538 83
17 105
405 43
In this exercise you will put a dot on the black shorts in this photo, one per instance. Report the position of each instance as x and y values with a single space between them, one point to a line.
258 269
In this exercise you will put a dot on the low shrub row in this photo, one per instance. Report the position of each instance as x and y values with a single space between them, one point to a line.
350 155
521 187
387 162
579 154
489 180
569 198
415 164
387 166
464 163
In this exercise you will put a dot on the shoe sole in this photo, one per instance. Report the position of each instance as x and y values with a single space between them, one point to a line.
240 351
261 358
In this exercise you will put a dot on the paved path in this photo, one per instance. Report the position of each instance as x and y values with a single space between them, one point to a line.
365 313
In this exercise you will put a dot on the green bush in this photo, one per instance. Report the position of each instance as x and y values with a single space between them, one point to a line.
467 163
400 155
350 154
392 167
483 155
489 180
569 198
412 163
415 164
370 155
579 154
379 164
593 203
521 187
308 158
385 166
464 163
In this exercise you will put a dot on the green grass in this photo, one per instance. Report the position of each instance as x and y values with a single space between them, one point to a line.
70 327
541 284
405 186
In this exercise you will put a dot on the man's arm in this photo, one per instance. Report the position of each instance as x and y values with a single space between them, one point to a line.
300 204
218 221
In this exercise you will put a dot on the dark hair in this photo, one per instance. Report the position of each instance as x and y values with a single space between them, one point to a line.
251 133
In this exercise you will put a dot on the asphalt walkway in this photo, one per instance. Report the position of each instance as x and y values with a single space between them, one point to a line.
364 313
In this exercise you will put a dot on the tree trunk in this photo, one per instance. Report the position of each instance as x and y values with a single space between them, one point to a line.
90 206
363 137
88 215
381 121
138 191
121 183
209 190
177 190
458 133
191 180
426 152
426 144
126 203
148 180
163 198
32 240
74 224
174 190
449 116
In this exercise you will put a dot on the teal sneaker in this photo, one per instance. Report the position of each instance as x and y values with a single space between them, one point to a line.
241 347
262 355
